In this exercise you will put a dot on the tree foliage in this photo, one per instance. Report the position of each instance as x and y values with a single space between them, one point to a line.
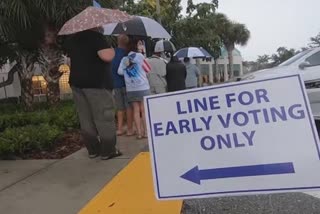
196 32
31 23
199 28
169 13
264 59
282 55
233 33
268 61
28 31
315 41
202 10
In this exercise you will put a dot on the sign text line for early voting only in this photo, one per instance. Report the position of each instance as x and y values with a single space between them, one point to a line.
212 103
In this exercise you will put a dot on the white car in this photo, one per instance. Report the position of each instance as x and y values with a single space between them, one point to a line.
306 63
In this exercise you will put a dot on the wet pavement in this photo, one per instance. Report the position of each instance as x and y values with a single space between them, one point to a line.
59 186
72 182
290 203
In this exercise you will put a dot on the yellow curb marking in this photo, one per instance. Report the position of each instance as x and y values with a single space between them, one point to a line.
131 192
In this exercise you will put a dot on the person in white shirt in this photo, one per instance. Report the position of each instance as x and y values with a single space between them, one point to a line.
134 68
157 75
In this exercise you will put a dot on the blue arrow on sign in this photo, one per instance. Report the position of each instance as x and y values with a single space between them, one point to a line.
196 176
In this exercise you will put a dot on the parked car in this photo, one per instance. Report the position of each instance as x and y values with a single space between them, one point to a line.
306 63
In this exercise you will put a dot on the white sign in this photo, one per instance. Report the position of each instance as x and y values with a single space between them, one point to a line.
240 138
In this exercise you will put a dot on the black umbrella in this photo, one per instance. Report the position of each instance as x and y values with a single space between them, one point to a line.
138 26
164 46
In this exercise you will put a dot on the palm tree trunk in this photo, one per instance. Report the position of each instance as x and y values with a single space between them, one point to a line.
53 92
27 93
25 76
230 57
26 71
50 59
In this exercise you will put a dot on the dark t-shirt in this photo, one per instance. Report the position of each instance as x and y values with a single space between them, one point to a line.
176 76
118 80
87 69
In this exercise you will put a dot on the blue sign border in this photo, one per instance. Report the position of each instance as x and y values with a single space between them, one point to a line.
226 86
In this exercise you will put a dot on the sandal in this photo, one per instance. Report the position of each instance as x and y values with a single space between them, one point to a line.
139 137
120 133
114 155
129 134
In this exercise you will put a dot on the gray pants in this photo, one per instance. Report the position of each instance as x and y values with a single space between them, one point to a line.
157 90
96 114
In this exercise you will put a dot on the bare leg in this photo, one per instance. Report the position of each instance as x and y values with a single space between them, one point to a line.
136 116
145 134
120 116
130 121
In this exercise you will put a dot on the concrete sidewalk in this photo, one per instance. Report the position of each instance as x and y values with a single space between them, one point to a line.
59 186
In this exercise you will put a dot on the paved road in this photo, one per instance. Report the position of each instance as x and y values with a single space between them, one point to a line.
291 203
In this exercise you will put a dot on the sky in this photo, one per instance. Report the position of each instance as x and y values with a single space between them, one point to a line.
272 23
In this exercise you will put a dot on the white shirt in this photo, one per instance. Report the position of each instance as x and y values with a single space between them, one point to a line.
134 74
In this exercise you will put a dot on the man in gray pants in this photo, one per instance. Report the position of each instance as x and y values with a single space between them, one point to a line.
91 83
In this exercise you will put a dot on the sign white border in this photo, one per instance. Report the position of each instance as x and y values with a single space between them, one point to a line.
239 192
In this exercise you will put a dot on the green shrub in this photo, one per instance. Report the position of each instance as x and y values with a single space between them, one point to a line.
6 147
22 119
30 137
9 108
24 131
64 117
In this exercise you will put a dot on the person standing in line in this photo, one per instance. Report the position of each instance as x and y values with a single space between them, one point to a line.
193 74
135 68
176 75
157 75
91 83
141 47
120 94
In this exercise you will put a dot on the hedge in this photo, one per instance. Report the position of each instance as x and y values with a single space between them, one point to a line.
22 131
22 139
63 116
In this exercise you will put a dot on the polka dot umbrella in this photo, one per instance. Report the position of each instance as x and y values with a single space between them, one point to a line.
93 17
